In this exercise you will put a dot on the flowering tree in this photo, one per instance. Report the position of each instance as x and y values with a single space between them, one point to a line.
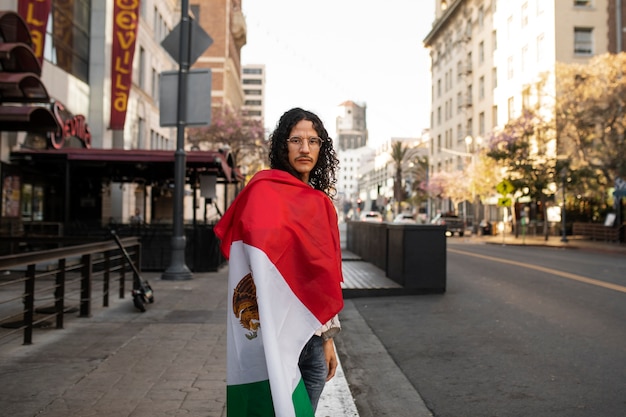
244 137
454 185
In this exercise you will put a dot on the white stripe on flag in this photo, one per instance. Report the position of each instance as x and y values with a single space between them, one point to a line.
286 327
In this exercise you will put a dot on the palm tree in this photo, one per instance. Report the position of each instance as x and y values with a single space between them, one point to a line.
403 156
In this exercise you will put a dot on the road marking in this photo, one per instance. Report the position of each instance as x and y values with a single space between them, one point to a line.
567 275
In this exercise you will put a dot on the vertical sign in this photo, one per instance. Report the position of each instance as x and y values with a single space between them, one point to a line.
125 22
35 13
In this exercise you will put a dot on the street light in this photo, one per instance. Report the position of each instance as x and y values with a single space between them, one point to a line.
564 232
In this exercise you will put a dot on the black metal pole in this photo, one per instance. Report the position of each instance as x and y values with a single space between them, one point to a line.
178 269
564 232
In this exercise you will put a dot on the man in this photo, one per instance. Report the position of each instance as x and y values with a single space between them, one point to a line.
282 240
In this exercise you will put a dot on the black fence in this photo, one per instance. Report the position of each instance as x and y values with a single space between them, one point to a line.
40 286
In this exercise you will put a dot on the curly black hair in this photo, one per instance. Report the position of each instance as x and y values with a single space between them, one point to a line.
323 176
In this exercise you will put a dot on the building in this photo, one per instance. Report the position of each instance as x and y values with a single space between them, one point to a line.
351 126
253 81
486 53
355 157
224 21
109 95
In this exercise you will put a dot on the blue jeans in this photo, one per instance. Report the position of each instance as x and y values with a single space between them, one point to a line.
313 368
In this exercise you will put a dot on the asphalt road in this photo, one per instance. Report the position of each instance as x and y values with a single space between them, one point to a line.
521 331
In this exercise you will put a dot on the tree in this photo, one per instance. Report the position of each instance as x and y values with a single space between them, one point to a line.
454 185
243 136
526 148
402 156
591 120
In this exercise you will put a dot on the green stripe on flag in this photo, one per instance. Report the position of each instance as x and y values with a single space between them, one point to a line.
255 400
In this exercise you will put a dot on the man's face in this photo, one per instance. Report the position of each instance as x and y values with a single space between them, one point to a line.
303 156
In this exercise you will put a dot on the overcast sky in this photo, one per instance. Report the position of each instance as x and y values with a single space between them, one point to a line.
321 53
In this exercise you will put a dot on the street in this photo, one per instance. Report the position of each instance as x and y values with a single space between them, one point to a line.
521 331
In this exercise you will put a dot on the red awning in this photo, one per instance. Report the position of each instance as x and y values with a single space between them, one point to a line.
12 27
27 118
22 87
18 57
129 165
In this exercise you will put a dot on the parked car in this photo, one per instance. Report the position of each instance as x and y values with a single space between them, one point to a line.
371 216
406 218
454 224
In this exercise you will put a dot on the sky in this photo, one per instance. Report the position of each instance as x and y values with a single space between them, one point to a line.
318 54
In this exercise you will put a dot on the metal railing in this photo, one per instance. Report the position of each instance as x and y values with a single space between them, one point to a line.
45 283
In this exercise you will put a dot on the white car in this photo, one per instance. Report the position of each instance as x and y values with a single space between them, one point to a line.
406 218
372 216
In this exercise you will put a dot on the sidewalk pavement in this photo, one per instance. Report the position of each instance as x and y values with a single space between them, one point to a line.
168 361
573 242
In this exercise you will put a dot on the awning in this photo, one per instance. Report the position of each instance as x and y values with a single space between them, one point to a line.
119 165
22 87
27 118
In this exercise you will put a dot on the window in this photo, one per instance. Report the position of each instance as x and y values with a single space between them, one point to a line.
481 123
583 41
540 42
494 77
494 40
481 87
256 71
439 88
155 85
481 52
511 108
582 3
67 37
252 81
494 116
524 58
141 78
509 28
469 127
481 16
459 100
509 68
525 14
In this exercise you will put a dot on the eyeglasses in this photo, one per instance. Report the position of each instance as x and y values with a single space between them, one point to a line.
313 141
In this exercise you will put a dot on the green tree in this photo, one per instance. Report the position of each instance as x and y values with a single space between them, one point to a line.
403 157
525 147
590 113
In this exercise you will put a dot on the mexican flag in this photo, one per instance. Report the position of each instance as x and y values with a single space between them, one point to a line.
284 282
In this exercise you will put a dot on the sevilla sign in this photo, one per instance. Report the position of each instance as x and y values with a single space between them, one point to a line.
125 23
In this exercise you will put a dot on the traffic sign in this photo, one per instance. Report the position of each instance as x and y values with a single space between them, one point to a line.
505 187
199 40
504 202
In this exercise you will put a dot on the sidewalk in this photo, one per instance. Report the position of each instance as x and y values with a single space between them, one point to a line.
168 361
573 242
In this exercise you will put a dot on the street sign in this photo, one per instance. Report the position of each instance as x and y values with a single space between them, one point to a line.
199 40
504 202
505 187
198 98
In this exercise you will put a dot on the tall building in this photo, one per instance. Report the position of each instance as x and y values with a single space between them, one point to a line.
351 126
485 55
253 81
224 21
354 155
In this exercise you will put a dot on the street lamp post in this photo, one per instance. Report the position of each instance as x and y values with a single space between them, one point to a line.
177 269
563 223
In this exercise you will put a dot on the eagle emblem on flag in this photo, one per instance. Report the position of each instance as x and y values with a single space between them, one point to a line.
245 306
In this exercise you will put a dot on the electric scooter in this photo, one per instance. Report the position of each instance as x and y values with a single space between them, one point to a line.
142 291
